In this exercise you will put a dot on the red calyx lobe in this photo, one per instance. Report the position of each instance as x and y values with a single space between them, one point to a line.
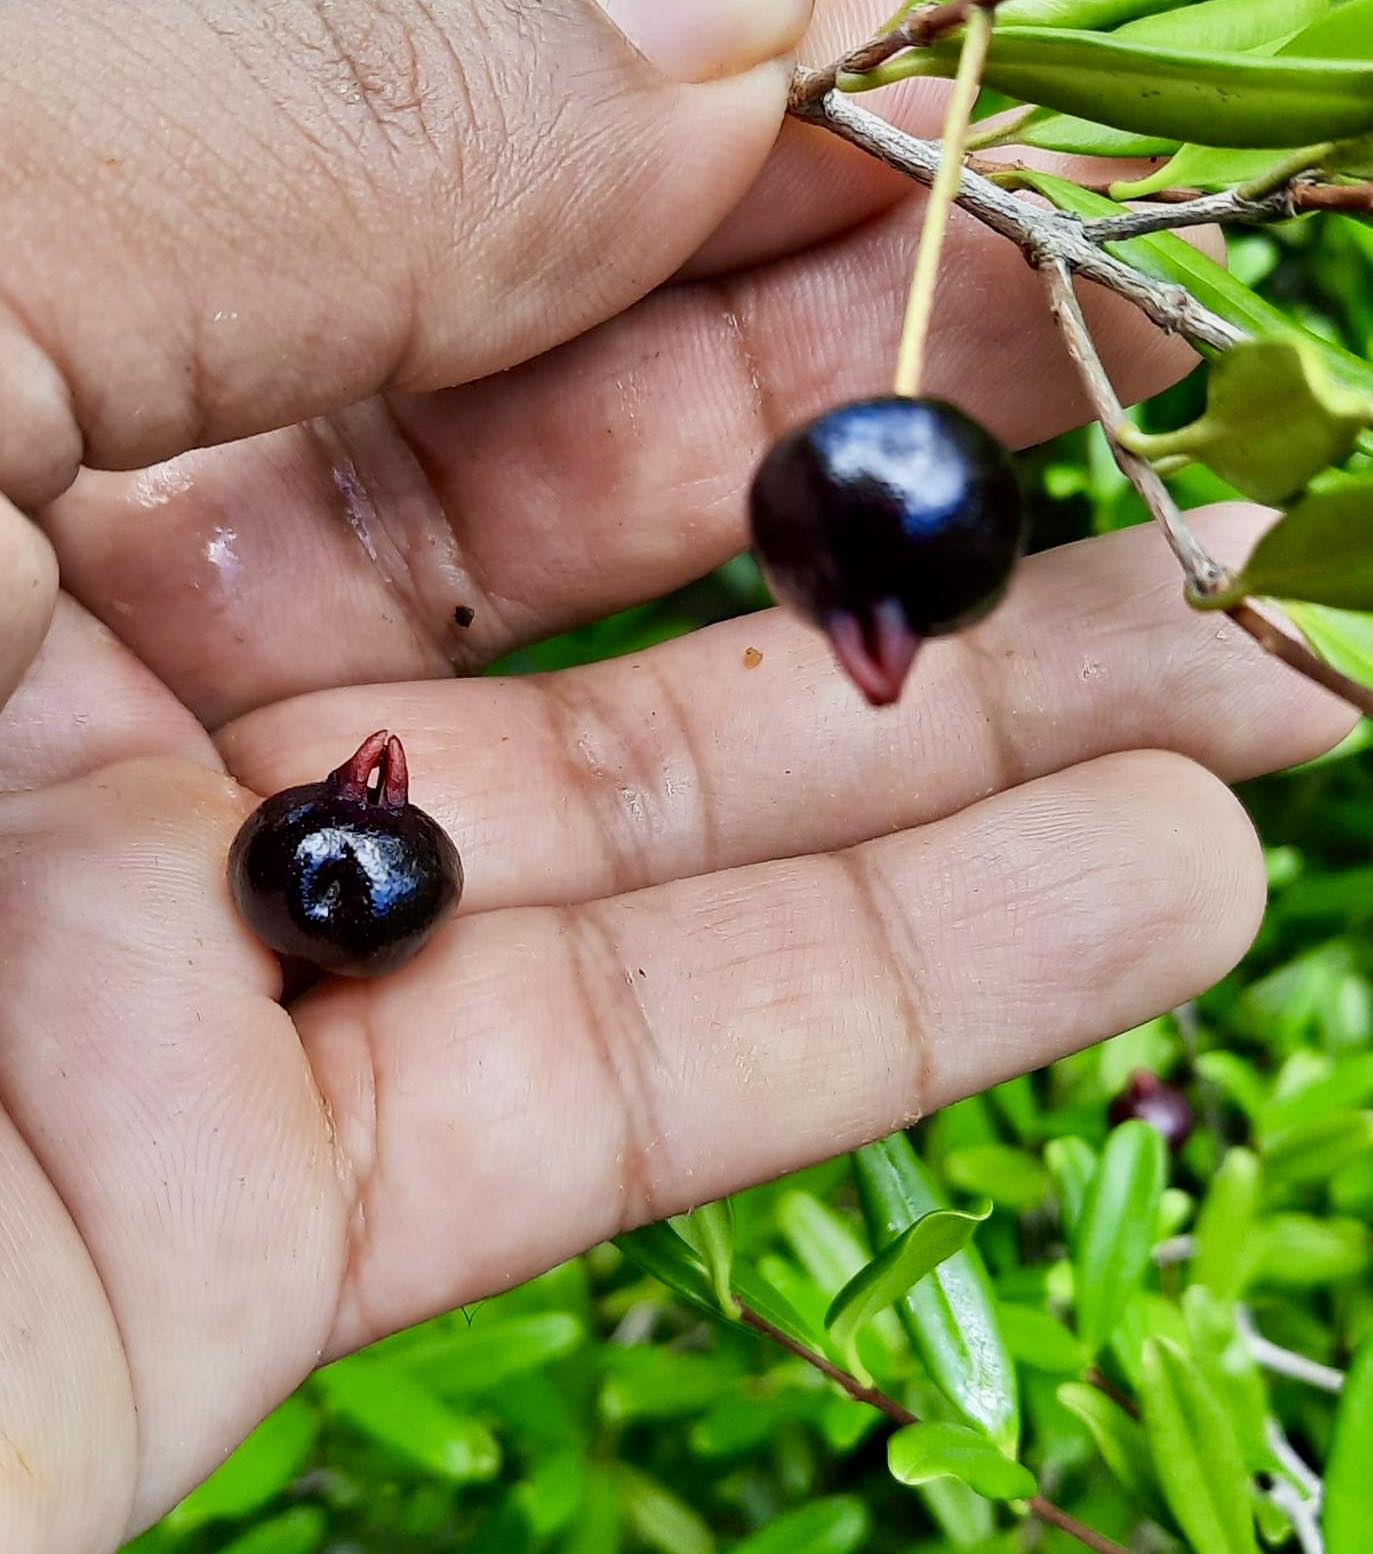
380 754
875 652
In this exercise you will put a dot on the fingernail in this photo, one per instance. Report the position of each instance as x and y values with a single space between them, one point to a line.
695 40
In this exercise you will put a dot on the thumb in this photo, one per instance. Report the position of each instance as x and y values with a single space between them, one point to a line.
223 217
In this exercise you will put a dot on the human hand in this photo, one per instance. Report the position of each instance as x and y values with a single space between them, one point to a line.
719 921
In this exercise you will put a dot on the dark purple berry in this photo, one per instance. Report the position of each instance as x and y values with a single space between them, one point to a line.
346 873
1147 1098
884 522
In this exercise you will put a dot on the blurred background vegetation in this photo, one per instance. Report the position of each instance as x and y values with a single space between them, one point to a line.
594 1410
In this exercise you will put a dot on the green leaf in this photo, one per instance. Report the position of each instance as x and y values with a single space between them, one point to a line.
298 1531
1344 33
1116 1237
388 1405
1147 1315
659 1250
1299 1251
662 1520
951 1316
463 1360
711 1227
1314 1149
1322 551
1049 131
1344 637
1039 1341
1235 25
1079 13
553 1493
645 1381
1274 418
1195 1453
838 1525
1012 1177
1345 1518
1119 1439
916 1252
1235 1077
598 1527
1219 98
922 1452
1072 1162
1225 1252
265 1464
1339 1087
1223 1354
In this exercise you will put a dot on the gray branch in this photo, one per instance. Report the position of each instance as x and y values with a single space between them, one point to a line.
1040 234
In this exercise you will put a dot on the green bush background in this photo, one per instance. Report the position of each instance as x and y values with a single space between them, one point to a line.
592 1411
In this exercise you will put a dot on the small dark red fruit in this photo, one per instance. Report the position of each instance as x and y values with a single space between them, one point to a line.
884 522
346 873
1147 1098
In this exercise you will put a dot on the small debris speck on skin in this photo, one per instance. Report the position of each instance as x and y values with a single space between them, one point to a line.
752 658
463 616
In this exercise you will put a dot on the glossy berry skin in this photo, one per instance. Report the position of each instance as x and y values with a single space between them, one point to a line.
346 873
1147 1098
884 522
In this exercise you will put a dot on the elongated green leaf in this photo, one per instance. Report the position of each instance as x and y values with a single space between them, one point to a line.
833 1251
1116 1237
1274 418
1214 98
1223 1354
599 1525
1345 1517
1049 131
1039 1341
645 1381
1079 13
712 1228
1012 1177
1314 1149
463 1361
1320 551
269 1460
1343 33
838 1525
1225 1253
1119 1439
922 1452
385 1403
1225 25
298 1531
1348 1083
1195 1453
662 1520
1146 1315
951 1316
1072 1162
916 1252
1299 1251
659 1250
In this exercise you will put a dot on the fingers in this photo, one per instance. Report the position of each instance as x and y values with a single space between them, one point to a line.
608 473
28 592
85 703
685 759
64 1487
540 1079
164 1094
222 218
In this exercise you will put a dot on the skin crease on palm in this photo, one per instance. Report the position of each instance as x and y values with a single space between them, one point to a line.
720 922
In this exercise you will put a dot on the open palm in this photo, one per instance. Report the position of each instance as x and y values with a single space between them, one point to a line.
721 918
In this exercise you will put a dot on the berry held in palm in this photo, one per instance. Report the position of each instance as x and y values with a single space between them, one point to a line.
347 873
885 522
